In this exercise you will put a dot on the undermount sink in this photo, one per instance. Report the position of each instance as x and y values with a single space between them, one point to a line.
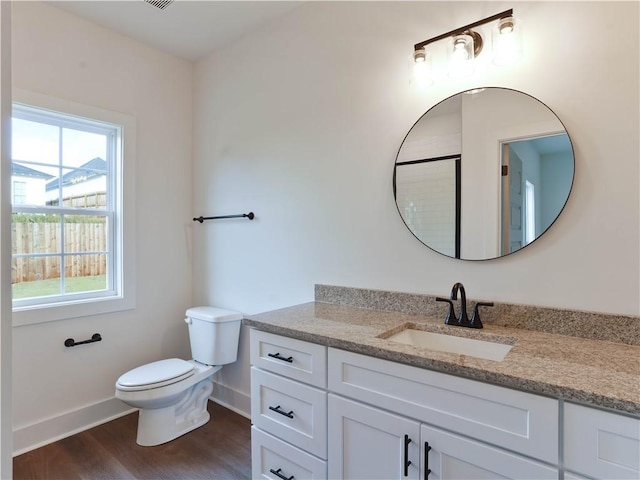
452 344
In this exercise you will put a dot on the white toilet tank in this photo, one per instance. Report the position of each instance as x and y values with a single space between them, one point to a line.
214 334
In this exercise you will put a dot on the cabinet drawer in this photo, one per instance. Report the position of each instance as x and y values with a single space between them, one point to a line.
290 410
270 455
514 420
297 359
452 456
601 444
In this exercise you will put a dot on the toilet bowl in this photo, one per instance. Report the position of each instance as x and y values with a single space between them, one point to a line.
172 394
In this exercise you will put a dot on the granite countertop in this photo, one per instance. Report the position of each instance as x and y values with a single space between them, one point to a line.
596 372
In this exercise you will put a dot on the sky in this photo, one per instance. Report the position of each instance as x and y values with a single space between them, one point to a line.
37 142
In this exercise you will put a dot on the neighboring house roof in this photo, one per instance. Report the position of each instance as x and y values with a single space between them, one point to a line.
96 167
18 170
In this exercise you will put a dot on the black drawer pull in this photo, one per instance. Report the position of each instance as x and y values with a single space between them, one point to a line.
427 470
277 472
282 412
407 462
277 356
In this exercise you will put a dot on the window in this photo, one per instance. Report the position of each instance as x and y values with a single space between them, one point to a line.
530 213
19 192
68 213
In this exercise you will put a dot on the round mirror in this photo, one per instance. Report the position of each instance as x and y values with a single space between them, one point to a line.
483 173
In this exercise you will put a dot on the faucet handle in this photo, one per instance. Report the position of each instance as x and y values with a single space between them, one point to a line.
451 316
475 318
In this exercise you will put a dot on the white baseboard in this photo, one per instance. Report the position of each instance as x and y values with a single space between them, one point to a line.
232 399
55 428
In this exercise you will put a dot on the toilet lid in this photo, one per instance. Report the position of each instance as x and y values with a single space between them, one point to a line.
156 374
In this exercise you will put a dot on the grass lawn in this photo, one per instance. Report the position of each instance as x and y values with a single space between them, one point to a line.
42 288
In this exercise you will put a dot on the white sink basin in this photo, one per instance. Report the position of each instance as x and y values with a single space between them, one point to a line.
452 344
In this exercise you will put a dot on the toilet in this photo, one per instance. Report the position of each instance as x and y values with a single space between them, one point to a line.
172 394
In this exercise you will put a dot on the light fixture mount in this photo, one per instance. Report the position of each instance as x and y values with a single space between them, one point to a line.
477 41
468 30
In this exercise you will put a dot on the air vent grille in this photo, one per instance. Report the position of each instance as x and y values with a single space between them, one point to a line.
161 4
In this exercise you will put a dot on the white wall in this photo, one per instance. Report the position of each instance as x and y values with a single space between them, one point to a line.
556 171
301 122
57 389
489 119
6 441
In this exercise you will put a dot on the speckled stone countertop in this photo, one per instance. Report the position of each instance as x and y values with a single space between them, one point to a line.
586 370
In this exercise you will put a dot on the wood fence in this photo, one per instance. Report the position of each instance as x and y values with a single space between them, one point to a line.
46 239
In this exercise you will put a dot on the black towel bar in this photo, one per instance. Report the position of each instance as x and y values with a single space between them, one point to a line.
201 219
70 342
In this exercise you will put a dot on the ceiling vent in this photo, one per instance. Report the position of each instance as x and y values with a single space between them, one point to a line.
161 4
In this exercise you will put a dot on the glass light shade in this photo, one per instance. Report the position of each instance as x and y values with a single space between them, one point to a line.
422 71
506 40
461 56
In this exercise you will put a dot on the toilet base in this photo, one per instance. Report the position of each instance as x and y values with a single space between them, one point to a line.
161 425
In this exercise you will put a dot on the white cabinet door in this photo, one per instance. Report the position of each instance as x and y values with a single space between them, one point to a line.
454 457
601 444
368 443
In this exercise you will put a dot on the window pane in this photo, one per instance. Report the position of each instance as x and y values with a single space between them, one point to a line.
85 234
30 183
84 187
80 147
35 276
85 273
35 233
35 142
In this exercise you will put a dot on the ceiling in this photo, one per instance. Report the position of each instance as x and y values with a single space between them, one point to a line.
190 29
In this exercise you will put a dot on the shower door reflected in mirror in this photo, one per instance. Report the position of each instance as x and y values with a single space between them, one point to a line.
430 189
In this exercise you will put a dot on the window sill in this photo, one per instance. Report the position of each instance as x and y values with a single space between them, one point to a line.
32 315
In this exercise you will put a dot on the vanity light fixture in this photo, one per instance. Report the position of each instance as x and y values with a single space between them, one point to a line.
422 72
507 41
465 44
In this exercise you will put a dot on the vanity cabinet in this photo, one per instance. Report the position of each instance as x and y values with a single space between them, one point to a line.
600 444
321 412
288 408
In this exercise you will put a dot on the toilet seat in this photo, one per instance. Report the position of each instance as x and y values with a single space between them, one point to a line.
155 375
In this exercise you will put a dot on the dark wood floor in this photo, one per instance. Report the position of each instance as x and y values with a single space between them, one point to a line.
221 449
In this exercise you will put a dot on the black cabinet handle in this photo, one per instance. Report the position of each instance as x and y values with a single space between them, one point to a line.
427 470
407 462
277 356
277 472
282 412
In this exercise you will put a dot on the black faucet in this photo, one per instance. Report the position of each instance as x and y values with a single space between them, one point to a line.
475 318
463 319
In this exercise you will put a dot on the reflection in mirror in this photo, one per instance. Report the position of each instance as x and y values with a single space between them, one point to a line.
527 166
483 173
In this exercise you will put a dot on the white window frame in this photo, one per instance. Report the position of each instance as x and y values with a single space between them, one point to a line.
122 294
